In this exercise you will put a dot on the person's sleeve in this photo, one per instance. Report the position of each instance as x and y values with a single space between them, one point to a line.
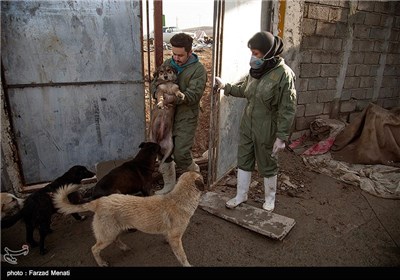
236 90
195 89
287 106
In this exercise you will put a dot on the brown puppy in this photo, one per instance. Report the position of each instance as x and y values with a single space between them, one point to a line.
167 214
162 117
10 204
132 176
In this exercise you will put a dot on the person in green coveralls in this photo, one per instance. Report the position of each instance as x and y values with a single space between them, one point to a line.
192 78
267 119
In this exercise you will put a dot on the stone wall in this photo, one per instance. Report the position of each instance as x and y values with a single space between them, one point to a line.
349 56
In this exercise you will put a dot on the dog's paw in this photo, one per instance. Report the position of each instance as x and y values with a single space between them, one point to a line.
181 95
78 217
124 247
104 264
160 105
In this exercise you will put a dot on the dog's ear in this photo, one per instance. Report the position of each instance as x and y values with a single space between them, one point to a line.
3 204
199 182
155 74
175 70
142 144
155 146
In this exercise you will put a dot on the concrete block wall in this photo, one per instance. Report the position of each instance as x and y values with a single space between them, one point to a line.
349 57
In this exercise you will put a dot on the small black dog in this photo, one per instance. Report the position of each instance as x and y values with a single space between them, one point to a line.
38 207
132 176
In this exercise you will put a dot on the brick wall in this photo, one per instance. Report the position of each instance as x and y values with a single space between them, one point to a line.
349 57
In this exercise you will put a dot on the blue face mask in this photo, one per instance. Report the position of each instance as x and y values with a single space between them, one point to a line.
256 62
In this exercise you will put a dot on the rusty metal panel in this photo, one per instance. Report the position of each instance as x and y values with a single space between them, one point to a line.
74 77
56 128
70 41
235 66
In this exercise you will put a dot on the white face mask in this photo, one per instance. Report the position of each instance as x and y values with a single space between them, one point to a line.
256 62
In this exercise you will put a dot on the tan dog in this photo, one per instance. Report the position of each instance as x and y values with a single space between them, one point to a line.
167 214
162 117
10 204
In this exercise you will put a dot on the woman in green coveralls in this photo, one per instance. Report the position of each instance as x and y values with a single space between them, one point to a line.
267 119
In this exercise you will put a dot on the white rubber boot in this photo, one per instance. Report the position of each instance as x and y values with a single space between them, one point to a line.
193 167
167 169
270 191
243 183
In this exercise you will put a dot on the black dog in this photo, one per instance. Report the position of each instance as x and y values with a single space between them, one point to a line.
132 176
38 207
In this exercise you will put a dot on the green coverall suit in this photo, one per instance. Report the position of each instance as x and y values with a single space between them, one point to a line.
192 78
268 115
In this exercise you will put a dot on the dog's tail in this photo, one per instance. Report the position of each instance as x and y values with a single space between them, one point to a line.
62 203
12 220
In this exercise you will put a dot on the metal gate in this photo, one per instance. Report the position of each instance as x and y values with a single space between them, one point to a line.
73 79
235 22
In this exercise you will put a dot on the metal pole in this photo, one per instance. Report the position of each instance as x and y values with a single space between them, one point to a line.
219 8
158 36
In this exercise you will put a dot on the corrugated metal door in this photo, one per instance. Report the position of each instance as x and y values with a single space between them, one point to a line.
74 81
237 20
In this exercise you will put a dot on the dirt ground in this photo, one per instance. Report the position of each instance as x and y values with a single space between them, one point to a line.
337 225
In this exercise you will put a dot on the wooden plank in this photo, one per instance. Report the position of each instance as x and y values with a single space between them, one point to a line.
269 224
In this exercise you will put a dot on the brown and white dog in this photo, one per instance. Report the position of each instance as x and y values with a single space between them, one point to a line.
162 117
167 214
10 205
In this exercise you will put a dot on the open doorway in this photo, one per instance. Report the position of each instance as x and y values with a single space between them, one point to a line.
196 18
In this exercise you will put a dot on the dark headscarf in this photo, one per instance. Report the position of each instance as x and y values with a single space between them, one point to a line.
271 46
